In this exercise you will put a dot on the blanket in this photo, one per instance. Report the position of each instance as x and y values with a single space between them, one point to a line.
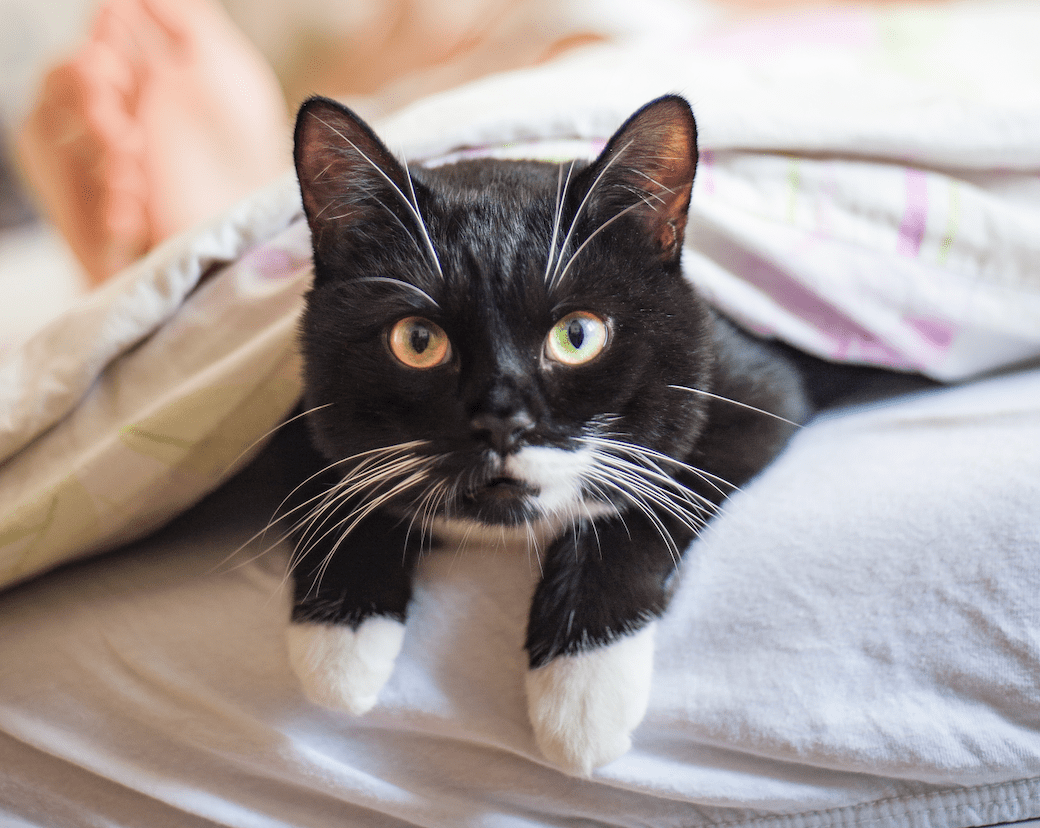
854 644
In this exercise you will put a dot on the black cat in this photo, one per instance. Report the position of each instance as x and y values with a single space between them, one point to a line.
512 344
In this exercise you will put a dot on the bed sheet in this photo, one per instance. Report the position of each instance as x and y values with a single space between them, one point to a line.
842 218
855 642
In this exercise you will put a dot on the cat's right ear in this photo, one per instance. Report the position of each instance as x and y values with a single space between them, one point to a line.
647 168
348 178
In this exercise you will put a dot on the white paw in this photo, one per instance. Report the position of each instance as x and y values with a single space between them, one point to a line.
341 668
584 707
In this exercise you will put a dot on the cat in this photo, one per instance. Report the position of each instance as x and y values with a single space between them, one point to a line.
512 344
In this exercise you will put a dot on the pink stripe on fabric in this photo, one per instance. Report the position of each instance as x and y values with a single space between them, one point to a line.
706 171
755 41
915 216
937 333
849 341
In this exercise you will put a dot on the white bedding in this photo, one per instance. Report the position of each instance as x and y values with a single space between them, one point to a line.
856 641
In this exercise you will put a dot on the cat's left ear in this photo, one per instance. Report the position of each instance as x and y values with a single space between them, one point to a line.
647 168
349 181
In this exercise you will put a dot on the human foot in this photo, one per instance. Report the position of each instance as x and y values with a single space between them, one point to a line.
165 117
81 151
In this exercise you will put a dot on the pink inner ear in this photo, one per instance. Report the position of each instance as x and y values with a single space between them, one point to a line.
667 180
321 163
658 147
669 234
340 161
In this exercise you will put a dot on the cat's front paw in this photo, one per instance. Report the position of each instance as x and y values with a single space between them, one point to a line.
584 707
342 668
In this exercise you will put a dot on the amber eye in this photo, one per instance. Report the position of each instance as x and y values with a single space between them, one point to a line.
577 338
419 343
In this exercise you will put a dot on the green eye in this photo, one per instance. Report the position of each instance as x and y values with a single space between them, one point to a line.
419 343
577 338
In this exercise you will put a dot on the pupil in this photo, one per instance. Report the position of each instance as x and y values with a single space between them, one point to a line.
576 333
419 340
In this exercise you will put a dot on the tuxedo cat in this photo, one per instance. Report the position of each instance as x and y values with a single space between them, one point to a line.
512 344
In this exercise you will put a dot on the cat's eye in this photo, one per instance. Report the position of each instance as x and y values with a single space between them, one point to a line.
419 343
577 338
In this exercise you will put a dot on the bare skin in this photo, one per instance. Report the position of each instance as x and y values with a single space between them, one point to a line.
167 114
164 117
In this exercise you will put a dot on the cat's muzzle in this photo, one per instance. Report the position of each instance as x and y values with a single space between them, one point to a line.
500 500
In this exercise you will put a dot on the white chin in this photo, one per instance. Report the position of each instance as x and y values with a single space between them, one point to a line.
557 475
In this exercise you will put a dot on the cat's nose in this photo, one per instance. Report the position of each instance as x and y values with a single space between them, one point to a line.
502 432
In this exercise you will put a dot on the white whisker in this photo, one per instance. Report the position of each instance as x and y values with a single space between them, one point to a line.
561 197
734 402
412 208
651 471
644 196
327 500
638 490
354 519
422 223
352 486
559 277
369 192
581 207
533 547
268 433
636 474
643 453
653 180
424 510
636 499
399 283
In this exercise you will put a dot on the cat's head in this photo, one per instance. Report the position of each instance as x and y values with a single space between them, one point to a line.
480 334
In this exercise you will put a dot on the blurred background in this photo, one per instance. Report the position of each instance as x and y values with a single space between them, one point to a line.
377 55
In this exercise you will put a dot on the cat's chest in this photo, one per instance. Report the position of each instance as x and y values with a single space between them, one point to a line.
464 536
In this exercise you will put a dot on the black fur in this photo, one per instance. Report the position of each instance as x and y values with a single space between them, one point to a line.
480 275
